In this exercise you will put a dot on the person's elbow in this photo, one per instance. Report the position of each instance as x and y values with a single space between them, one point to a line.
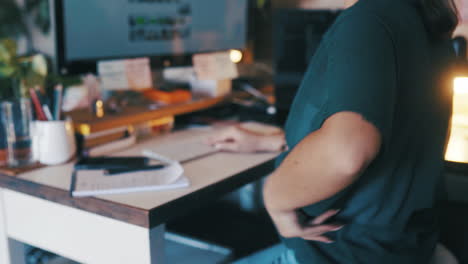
350 164
354 147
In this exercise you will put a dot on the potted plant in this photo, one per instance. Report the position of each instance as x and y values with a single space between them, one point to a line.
18 73
23 72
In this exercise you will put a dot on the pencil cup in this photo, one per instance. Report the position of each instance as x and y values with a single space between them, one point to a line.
53 141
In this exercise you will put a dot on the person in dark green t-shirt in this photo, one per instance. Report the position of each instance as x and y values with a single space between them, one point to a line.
366 135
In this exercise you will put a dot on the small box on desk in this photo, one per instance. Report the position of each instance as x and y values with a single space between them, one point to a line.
211 88
214 74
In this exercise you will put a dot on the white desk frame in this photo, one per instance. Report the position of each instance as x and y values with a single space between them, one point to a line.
75 234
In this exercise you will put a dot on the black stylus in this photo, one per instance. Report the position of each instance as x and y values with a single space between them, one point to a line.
111 172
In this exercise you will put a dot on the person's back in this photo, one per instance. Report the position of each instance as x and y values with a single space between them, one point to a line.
387 212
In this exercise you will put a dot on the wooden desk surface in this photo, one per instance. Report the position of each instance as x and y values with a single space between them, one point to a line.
210 177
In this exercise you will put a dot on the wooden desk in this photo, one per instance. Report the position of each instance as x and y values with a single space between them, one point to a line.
35 208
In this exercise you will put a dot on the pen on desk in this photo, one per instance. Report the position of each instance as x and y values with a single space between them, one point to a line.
110 172
58 94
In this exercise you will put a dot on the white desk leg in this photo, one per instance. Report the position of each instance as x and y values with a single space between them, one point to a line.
11 251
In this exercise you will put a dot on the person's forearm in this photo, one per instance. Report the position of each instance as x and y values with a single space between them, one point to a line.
317 168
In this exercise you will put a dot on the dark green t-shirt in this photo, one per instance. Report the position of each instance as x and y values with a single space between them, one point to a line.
378 60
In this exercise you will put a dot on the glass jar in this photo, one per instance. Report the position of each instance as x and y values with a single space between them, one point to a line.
16 119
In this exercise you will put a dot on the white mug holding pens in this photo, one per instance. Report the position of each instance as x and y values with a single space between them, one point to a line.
53 140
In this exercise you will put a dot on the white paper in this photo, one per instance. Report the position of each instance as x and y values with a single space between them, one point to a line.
75 97
204 88
127 74
138 73
94 182
214 66
182 182
178 74
113 75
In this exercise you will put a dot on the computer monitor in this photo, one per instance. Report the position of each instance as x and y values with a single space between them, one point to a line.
168 31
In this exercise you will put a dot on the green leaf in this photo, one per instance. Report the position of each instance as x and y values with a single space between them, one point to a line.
10 46
6 71
5 56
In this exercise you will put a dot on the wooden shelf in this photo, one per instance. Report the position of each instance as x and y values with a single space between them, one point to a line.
86 122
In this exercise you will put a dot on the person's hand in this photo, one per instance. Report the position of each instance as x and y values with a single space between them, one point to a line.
289 226
238 139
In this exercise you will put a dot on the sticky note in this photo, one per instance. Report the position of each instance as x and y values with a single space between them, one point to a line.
214 66
130 74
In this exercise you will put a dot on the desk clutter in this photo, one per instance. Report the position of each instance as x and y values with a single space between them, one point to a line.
56 142
100 176
40 134
108 114
37 131
153 171
123 96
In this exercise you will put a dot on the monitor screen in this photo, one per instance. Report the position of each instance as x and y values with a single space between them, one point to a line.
90 30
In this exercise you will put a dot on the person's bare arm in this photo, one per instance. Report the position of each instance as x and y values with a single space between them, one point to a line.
324 163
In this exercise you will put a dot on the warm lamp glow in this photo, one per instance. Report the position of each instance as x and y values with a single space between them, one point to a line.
457 150
460 85
236 56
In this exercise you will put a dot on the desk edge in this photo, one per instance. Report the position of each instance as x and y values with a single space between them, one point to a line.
117 211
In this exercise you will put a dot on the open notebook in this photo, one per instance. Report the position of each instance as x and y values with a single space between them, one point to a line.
97 182
173 150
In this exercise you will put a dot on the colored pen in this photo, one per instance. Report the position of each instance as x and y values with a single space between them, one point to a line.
47 113
58 93
37 105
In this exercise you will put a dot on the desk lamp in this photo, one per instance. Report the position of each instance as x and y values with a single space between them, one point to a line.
457 150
